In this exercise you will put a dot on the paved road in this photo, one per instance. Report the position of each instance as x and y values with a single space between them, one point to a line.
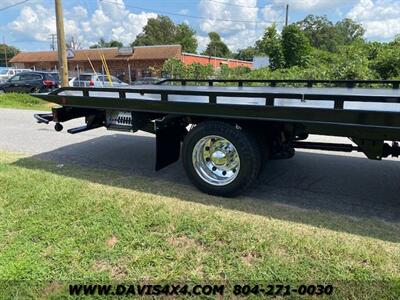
347 183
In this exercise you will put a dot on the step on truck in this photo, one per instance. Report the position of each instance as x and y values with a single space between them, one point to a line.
226 130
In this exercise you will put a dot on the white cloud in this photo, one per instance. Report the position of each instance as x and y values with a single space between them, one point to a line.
203 42
225 19
221 17
108 21
79 12
306 5
34 22
381 18
270 14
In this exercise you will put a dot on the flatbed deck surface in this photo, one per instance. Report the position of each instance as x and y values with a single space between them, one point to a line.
379 92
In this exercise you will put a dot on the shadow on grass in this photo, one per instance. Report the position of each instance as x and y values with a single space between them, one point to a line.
339 193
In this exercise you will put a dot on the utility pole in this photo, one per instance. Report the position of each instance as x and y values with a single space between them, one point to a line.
62 51
5 52
53 37
287 15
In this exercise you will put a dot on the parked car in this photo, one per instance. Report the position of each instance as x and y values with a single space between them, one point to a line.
29 82
7 73
93 80
56 77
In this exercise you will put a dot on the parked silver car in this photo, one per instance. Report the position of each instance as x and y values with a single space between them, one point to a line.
99 80
6 74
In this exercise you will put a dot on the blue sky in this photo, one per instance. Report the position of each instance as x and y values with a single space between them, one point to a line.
240 22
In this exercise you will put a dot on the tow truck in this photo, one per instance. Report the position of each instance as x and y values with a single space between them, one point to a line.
226 130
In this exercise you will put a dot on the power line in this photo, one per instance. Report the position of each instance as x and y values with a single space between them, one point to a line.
188 16
13 5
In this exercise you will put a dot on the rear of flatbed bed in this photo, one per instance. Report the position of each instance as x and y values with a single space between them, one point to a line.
233 129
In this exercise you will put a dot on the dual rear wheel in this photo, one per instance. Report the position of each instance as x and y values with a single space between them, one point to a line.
220 158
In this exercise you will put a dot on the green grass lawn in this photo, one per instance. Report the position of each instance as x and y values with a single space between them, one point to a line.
22 101
65 223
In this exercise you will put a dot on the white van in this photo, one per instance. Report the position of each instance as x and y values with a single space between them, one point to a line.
5 74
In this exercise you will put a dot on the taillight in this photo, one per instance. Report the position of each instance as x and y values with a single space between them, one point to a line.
49 83
91 83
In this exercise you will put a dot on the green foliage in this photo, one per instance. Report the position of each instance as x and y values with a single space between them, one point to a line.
199 71
103 44
186 37
217 47
163 31
246 53
320 31
271 45
158 31
387 62
174 68
23 101
325 35
233 73
314 48
349 31
11 52
295 46
353 64
62 224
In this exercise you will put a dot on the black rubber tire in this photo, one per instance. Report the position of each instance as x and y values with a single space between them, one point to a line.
244 142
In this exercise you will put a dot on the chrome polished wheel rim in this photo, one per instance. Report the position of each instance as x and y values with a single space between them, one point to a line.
216 160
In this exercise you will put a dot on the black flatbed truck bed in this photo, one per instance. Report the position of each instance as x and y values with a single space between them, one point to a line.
264 122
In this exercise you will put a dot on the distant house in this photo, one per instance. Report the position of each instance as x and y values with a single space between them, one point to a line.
125 63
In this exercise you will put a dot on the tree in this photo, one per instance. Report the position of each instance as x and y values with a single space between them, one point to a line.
349 31
387 62
321 32
199 71
295 46
174 68
74 44
246 53
11 52
163 31
325 35
216 47
186 37
271 45
103 44
158 31
352 63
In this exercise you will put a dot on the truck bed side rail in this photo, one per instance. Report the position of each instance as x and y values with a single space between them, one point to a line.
395 84
213 94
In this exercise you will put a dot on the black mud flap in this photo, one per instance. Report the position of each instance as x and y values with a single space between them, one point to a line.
373 149
168 145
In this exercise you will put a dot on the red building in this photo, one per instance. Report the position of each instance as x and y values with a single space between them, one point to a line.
216 62
126 63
